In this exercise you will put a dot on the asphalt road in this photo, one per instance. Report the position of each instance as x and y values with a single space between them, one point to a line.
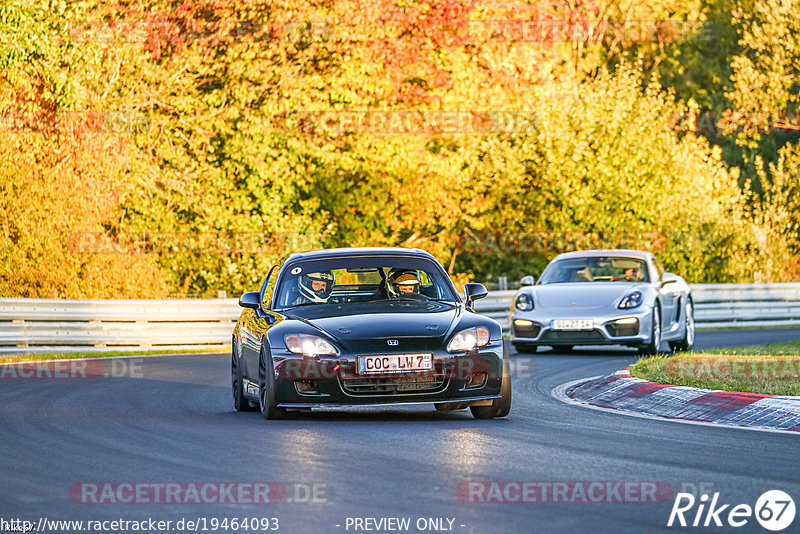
170 419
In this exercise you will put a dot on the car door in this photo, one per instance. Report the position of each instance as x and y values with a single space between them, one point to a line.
669 293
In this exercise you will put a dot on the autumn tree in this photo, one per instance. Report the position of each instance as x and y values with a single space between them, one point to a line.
62 170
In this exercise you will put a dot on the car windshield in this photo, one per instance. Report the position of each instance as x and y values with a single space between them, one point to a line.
595 269
360 279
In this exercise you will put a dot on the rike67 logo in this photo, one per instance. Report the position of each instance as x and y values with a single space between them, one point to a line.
774 510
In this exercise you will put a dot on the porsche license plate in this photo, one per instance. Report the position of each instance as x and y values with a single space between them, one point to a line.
394 363
572 324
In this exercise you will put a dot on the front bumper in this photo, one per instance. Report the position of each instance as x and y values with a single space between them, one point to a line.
625 327
303 382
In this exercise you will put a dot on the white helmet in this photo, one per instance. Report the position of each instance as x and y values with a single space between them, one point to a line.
402 281
321 294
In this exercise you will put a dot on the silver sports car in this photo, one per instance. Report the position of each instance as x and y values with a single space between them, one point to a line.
603 297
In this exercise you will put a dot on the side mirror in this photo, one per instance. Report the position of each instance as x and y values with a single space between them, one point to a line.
474 292
251 299
527 281
668 278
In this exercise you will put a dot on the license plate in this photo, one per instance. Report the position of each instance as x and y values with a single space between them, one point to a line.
411 383
572 324
394 363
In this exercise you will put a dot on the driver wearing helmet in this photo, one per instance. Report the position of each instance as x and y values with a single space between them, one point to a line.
315 287
402 282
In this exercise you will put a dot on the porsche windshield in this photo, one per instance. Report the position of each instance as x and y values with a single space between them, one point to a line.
596 269
363 279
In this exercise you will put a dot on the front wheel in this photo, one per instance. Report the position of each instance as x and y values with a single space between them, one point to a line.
651 347
499 407
688 330
267 398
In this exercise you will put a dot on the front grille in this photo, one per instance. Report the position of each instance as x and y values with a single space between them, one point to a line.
573 335
394 384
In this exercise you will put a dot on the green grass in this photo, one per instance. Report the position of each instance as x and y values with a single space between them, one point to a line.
103 354
772 369
789 348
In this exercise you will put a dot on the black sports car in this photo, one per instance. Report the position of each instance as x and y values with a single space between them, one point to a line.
366 326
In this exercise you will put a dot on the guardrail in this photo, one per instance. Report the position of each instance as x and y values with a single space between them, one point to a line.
55 325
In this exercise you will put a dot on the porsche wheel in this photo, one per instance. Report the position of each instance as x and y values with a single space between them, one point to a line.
651 347
499 407
688 331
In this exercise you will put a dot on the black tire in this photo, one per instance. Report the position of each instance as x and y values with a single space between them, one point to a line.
450 406
267 399
525 348
239 401
500 407
688 331
651 347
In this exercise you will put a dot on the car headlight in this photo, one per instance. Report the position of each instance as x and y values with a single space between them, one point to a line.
469 339
631 301
308 345
524 302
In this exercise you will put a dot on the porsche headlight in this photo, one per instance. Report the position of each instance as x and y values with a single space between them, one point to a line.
308 345
631 301
524 302
469 339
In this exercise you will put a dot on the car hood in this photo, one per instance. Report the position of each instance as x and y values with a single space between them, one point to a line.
353 325
583 295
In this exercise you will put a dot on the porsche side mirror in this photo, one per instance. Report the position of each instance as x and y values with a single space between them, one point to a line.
668 278
474 292
251 299
527 281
